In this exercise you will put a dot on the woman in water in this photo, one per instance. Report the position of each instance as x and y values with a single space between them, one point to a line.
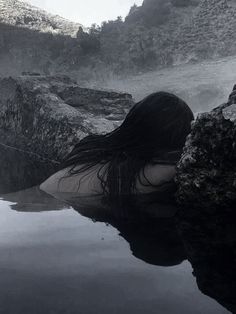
138 157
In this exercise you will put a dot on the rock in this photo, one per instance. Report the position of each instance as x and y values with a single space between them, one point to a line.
206 180
206 174
49 115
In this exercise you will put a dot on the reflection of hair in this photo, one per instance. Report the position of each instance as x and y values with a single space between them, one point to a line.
149 237
154 127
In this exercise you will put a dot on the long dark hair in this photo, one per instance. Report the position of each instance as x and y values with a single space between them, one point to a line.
153 129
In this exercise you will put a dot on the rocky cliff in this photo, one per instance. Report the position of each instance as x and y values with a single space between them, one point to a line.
48 115
207 170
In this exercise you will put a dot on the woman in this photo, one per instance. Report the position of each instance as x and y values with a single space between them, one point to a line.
137 157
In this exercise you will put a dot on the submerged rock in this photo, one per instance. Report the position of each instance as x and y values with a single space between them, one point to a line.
206 174
49 115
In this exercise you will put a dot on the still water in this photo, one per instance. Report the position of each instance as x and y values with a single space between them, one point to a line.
55 260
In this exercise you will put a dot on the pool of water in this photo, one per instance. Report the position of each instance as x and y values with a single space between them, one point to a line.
55 260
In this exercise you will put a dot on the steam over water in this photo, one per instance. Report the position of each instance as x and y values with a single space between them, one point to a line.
203 86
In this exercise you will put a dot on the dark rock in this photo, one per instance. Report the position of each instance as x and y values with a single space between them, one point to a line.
30 73
206 180
206 174
49 115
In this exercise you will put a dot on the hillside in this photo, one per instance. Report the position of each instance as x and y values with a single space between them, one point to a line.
155 35
209 33
165 33
179 31
21 14
146 38
158 12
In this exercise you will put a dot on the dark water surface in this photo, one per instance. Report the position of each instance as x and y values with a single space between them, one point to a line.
54 260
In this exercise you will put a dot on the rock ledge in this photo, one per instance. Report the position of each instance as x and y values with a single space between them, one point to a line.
48 115
206 174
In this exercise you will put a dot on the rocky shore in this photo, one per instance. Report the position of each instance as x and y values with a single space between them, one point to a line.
206 181
47 115
206 175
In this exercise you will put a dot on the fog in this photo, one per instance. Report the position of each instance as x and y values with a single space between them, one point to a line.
203 86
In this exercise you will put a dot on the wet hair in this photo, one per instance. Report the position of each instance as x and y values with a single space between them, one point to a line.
152 132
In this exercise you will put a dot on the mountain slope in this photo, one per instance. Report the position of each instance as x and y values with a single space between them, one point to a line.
209 33
154 35
187 30
22 14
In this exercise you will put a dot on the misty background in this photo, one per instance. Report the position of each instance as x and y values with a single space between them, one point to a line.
60 61
183 46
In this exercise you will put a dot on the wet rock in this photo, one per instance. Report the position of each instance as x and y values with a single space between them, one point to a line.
49 115
206 175
206 180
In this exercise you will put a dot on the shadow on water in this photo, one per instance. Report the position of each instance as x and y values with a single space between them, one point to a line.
149 236
154 233
210 242
21 170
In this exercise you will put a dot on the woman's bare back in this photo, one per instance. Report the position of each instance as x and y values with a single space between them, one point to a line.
87 183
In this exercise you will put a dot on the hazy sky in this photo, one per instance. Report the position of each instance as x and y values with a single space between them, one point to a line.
87 12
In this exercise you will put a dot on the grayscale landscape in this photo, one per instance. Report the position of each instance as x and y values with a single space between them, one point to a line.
64 81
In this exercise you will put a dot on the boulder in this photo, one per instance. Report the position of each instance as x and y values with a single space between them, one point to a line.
48 115
206 182
206 173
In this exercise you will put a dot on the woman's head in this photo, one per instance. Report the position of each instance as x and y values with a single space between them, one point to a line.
154 127
160 122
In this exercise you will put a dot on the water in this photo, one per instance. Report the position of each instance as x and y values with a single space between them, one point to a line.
53 259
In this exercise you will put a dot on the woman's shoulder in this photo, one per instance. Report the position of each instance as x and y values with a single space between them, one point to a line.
52 183
154 176
150 179
158 173
85 182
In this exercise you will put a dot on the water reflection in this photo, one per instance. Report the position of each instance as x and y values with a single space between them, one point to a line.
154 235
150 241
32 200
210 242
21 170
